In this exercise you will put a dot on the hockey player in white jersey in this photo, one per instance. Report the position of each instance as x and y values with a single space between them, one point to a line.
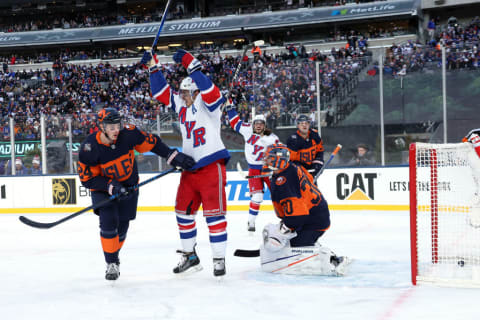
198 108
257 137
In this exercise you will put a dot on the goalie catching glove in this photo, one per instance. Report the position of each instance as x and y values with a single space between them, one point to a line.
188 61
277 236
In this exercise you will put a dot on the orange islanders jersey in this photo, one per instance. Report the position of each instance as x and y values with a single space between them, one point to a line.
304 151
298 201
99 163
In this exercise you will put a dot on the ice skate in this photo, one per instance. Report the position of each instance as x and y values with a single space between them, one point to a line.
113 271
219 267
251 226
340 264
189 263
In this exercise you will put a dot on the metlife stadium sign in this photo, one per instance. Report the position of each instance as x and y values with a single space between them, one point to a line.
287 18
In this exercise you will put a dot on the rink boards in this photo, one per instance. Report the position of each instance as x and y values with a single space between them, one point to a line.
382 189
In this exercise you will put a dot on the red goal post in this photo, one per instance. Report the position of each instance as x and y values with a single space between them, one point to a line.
445 214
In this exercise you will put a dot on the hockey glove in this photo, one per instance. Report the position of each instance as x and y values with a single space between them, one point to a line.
188 61
179 159
228 105
149 62
474 139
121 192
317 166
276 237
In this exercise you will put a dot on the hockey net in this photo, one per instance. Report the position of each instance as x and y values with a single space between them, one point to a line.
445 214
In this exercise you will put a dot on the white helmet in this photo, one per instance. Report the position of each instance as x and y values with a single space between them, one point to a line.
259 117
188 84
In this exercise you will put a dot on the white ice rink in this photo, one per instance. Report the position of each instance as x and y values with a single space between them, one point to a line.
59 274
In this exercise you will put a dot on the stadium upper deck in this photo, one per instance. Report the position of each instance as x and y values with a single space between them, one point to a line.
273 26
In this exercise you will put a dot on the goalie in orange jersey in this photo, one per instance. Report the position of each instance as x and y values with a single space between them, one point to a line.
291 246
107 167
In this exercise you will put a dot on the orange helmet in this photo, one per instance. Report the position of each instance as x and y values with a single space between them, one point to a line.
276 156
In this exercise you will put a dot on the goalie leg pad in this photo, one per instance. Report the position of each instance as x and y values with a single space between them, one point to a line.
311 260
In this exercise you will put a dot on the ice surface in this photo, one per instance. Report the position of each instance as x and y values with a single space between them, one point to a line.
59 274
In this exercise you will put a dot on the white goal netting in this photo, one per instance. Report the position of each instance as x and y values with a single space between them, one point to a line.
445 214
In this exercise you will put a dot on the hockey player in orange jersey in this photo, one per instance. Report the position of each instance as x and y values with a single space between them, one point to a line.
107 166
291 246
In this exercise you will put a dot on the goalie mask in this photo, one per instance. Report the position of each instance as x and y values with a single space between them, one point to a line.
276 157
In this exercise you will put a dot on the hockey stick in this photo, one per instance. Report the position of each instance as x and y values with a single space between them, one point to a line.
155 41
239 65
247 253
245 176
48 225
334 153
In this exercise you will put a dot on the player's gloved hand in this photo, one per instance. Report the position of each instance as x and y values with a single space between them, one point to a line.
187 60
228 105
474 139
117 188
276 237
317 165
149 62
179 159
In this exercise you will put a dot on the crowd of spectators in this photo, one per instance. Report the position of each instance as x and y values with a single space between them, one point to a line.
461 48
274 84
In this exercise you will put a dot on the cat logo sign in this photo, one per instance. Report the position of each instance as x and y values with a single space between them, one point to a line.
359 187
64 191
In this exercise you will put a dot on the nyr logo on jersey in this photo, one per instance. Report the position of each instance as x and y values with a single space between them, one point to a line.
357 186
194 133
256 148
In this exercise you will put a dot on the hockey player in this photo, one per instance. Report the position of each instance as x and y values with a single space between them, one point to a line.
306 146
198 108
291 246
257 137
474 138
107 166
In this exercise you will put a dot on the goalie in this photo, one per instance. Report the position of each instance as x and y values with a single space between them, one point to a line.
291 246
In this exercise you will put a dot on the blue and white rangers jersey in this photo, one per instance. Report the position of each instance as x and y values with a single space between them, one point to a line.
255 144
200 123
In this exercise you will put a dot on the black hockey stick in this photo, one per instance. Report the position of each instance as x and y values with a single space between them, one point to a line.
155 41
48 225
245 176
247 253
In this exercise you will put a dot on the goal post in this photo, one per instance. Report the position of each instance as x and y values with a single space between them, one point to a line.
444 214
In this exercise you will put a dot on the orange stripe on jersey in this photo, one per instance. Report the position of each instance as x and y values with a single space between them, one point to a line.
86 173
148 144
319 147
120 168
110 245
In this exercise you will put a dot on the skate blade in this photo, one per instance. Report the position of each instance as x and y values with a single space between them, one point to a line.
189 271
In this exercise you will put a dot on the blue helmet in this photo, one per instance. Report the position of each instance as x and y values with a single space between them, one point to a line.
302 118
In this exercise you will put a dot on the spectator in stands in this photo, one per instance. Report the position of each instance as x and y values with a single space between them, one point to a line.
362 157
431 29
19 168
330 115
36 169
